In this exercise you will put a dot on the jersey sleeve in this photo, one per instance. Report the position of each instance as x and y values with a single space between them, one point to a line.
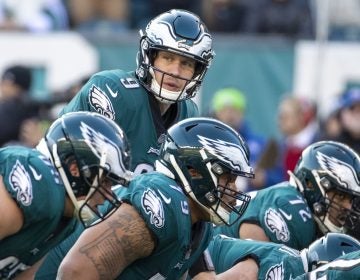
34 184
164 209
97 95
282 213
287 219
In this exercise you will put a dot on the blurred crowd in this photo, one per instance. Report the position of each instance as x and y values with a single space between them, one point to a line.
299 125
292 18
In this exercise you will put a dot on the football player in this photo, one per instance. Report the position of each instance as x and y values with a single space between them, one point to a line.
163 226
248 259
322 196
42 191
174 55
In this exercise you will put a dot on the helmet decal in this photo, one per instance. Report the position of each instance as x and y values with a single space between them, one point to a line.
226 152
344 173
276 224
101 102
21 183
153 206
99 143
182 33
218 154
99 149
276 272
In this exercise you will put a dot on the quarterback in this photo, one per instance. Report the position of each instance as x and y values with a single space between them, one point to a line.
174 54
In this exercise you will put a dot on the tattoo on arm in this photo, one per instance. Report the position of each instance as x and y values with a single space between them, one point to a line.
125 239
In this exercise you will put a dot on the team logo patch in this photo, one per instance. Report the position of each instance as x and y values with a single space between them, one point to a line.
100 144
101 102
342 172
232 154
276 224
153 206
275 272
21 183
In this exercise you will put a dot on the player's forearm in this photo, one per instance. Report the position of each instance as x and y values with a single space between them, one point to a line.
106 249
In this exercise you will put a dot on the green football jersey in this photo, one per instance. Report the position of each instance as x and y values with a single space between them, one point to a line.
33 182
283 214
118 95
275 261
346 267
164 207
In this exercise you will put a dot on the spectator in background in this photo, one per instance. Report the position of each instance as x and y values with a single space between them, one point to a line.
224 15
349 116
99 15
228 106
291 18
142 11
298 126
34 16
329 124
33 129
15 102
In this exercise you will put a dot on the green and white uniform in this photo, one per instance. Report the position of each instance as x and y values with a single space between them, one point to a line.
119 96
283 214
275 261
34 184
164 207
346 267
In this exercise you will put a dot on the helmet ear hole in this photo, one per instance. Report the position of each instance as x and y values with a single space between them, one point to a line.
325 183
319 209
195 174
217 169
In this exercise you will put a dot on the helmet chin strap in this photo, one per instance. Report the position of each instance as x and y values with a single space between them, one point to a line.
327 226
86 213
221 215
163 169
331 226
294 181
155 87
189 191
168 94
42 148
